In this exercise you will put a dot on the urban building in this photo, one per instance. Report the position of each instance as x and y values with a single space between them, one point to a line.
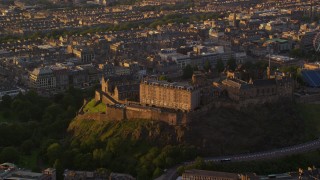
43 79
169 95
258 91
195 174
11 171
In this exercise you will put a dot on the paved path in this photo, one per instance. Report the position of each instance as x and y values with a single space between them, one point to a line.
171 174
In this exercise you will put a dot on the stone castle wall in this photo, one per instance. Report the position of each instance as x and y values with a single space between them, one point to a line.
131 113
93 116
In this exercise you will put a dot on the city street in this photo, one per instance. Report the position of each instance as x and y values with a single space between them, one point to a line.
171 174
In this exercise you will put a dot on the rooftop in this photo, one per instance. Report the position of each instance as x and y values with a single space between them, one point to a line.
178 85
211 173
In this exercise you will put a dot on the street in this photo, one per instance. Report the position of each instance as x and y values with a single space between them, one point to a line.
171 174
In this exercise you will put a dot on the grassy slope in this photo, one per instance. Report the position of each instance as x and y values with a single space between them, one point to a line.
92 107
133 130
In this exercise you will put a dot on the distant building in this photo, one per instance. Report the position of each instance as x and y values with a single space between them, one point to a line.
10 91
73 175
11 171
312 66
118 176
279 45
50 173
85 55
195 174
42 79
169 95
258 91
60 77
108 69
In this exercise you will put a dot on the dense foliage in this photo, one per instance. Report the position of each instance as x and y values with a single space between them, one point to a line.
30 123
141 148
33 131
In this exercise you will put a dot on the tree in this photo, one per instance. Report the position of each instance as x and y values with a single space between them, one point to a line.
53 152
199 163
163 78
231 63
220 66
9 154
187 72
296 53
58 166
6 101
157 173
207 66
27 146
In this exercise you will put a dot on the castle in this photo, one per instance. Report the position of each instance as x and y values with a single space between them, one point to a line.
258 91
179 102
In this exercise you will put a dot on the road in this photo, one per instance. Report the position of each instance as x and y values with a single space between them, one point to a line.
171 174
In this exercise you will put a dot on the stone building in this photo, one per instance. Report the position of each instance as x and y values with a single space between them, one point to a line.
42 79
169 95
86 55
258 91
120 88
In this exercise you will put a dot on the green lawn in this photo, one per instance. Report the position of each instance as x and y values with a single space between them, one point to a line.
92 107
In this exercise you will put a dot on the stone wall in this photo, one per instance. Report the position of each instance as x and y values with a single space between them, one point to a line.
94 116
104 98
131 113
115 113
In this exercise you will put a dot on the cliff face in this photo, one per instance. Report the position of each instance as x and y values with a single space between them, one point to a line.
136 130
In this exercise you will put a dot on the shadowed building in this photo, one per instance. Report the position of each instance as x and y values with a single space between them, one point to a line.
195 174
263 90
120 88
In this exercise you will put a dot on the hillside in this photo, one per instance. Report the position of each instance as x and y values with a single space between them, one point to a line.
145 148
227 131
